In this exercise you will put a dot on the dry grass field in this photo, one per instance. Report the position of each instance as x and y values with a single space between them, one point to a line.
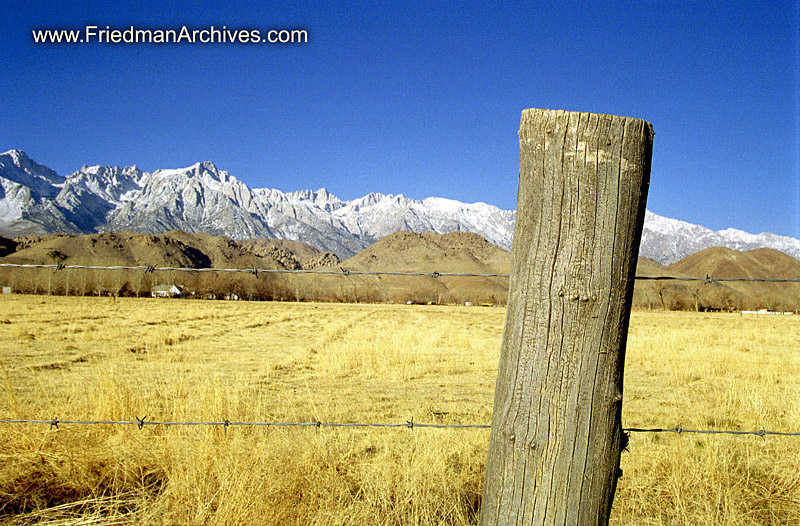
175 360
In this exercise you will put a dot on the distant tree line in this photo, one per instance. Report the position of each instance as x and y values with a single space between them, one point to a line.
241 286
701 296
374 289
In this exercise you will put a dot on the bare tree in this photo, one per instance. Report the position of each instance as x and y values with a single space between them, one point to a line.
118 282
139 283
661 289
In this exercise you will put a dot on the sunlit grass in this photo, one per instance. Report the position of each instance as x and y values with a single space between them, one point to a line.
174 360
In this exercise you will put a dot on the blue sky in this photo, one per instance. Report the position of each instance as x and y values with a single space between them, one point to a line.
421 99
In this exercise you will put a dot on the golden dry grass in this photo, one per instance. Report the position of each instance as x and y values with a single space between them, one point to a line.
91 358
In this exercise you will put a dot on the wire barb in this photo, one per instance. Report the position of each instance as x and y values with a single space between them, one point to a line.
140 422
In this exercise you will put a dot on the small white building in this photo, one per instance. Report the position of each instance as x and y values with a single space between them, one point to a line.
6 289
165 291
765 312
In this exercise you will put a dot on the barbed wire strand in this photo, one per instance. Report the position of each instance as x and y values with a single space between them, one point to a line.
711 279
347 272
256 271
409 424
679 430
228 423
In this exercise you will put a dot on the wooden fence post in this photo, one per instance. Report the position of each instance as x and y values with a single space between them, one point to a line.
556 432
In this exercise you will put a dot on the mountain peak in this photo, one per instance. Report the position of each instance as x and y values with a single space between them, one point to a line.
21 160
320 197
324 194
17 166
196 170
207 165
18 156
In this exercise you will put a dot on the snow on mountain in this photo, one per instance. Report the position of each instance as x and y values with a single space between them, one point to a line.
376 215
202 198
321 198
668 240
16 166
27 190
113 184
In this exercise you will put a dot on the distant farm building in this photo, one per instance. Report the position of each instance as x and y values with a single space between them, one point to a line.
6 289
765 311
165 291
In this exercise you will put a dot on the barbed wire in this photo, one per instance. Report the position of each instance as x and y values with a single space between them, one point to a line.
408 424
257 271
711 279
141 422
680 430
352 272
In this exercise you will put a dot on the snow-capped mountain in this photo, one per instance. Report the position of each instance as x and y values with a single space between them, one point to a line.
202 198
668 240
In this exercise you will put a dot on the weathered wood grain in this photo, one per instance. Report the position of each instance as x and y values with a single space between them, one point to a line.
556 433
